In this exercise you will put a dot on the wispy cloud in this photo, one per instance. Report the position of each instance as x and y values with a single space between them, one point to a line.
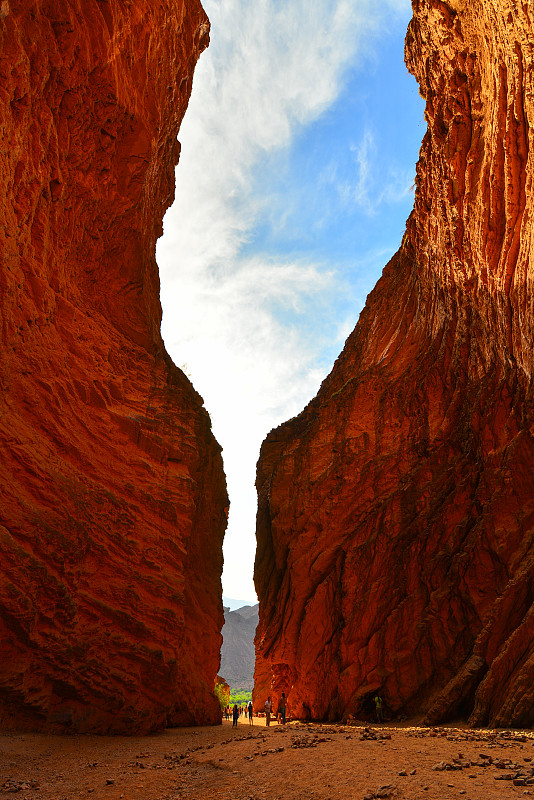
363 155
250 328
369 183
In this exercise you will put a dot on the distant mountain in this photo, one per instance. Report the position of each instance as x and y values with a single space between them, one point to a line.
237 652
233 605
248 612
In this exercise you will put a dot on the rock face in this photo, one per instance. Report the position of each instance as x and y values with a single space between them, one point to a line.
112 492
396 512
237 651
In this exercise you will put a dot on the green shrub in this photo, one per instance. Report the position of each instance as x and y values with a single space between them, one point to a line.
240 697
222 691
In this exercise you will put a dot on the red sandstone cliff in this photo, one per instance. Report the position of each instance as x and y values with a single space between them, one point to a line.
112 492
396 512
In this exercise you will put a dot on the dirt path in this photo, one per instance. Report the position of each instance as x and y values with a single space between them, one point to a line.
295 762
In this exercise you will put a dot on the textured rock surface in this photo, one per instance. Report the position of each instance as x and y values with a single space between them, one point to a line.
396 512
112 493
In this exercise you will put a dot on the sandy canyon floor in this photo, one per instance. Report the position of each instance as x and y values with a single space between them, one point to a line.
293 762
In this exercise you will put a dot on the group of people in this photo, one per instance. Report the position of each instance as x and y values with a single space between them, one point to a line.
238 711
242 710
247 711
282 709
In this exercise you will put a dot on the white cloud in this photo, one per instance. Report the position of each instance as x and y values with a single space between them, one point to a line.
371 182
364 153
250 327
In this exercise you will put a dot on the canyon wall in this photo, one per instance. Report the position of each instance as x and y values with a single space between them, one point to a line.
396 512
112 492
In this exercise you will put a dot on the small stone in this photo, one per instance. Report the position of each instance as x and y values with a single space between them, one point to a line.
385 791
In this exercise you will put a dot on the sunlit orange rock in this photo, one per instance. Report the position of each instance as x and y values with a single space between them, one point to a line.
112 492
396 512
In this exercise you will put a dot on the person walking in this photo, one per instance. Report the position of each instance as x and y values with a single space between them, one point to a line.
268 711
282 706
378 709
235 715
250 710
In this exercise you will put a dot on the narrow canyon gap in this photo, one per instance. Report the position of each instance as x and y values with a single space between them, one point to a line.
396 511
112 493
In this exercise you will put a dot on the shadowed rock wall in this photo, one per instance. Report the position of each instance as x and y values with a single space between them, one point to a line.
112 492
396 512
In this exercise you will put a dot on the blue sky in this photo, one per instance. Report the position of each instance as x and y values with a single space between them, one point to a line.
293 189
